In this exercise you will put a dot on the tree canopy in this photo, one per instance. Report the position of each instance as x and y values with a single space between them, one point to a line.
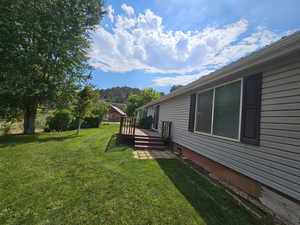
43 46
136 101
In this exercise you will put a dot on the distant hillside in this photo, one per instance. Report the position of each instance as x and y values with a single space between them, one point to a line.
118 94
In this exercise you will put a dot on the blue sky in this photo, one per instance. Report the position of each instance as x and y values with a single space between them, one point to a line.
160 43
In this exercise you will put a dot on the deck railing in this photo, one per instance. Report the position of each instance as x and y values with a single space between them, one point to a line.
127 126
166 129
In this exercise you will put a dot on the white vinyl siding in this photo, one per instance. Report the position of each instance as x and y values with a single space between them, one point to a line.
276 162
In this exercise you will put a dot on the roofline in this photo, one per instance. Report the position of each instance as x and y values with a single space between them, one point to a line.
118 110
284 46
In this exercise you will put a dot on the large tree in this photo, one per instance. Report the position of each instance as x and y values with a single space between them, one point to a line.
136 101
43 46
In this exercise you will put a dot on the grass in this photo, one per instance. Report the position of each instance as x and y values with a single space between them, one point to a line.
93 179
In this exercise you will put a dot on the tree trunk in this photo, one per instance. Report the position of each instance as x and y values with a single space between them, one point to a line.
79 126
29 119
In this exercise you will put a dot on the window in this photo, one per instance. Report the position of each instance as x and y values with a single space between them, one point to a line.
218 111
204 112
227 110
230 111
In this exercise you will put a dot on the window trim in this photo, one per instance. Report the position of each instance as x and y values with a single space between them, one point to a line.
211 134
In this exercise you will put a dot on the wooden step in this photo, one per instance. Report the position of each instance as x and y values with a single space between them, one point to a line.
147 138
147 142
150 147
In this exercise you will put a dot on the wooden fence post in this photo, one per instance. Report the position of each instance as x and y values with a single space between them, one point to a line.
121 125
134 123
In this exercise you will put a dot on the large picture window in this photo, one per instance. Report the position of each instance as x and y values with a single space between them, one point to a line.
227 110
218 111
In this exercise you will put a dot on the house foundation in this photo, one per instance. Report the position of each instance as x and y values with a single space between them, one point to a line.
286 209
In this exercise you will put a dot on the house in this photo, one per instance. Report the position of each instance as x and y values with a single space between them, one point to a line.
114 114
241 124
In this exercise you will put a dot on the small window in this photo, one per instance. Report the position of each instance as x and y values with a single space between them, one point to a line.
227 111
204 112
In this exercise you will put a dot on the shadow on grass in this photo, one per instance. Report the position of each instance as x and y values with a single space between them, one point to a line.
117 144
211 202
18 139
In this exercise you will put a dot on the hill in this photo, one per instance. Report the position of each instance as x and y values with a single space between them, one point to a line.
118 94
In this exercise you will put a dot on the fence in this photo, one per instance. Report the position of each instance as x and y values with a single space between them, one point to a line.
166 129
127 126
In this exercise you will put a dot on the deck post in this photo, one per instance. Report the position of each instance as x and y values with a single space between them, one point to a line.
121 125
134 123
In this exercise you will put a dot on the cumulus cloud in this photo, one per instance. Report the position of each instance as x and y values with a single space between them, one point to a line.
128 9
179 80
141 42
110 13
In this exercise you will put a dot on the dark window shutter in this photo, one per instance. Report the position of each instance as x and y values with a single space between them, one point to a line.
192 112
250 130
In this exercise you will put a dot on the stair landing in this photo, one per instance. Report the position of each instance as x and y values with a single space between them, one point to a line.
146 133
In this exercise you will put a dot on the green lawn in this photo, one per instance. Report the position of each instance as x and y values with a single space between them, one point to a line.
67 179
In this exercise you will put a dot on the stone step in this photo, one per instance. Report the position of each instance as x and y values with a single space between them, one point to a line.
149 147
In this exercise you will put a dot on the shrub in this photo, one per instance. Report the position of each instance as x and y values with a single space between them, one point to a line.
60 121
88 122
91 122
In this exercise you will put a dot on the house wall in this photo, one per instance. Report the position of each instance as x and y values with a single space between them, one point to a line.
112 116
276 162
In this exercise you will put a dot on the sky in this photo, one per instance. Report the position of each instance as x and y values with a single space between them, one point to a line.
160 43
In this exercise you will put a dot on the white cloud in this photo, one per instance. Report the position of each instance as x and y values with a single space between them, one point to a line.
140 42
179 80
110 13
128 9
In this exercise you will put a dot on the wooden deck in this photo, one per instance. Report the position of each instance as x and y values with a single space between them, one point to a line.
146 133
144 139
139 132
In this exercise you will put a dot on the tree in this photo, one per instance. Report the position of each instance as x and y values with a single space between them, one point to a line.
175 87
84 104
101 109
43 45
133 104
136 101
